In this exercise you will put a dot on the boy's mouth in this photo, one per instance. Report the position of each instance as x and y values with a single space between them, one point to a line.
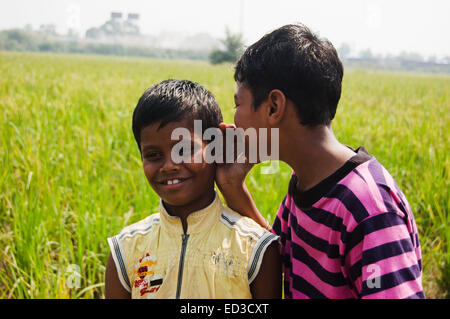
172 181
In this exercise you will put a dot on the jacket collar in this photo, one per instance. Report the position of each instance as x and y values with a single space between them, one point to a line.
197 221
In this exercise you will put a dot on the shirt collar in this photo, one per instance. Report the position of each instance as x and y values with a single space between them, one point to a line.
309 197
197 221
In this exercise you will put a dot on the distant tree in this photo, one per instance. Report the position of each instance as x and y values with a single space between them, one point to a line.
411 56
17 40
344 51
432 59
416 57
366 54
92 33
48 29
219 56
233 45
72 33
28 27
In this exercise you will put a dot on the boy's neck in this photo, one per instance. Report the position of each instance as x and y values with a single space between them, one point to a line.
317 154
185 210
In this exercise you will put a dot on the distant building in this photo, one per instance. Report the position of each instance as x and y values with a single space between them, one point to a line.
133 16
116 27
130 26
123 29
116 15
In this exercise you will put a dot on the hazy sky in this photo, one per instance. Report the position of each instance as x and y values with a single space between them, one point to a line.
384 26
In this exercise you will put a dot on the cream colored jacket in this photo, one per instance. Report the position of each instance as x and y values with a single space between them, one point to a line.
218 257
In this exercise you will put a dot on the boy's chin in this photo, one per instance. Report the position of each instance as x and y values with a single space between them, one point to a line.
174 202
185 200
179 200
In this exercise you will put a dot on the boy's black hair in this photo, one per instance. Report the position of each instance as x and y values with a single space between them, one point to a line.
304 67
175 100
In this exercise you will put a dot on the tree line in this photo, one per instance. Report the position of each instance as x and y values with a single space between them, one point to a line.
232 46
22 40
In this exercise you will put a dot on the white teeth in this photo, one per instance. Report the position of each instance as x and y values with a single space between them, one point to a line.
173 181
169 182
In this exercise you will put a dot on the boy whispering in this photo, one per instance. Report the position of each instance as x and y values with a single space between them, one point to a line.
195 247
346 228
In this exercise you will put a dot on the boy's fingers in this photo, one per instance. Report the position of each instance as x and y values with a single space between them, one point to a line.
223 125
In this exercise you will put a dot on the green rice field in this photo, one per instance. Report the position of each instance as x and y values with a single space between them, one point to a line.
71 174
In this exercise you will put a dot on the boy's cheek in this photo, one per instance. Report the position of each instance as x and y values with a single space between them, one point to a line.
237 121
205 174
149 172
203 169
241 121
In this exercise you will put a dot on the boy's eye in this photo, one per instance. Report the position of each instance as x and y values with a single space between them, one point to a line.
152 155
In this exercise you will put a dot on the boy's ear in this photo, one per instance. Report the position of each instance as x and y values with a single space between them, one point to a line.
276 106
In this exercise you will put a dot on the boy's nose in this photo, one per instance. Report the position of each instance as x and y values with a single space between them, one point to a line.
169 165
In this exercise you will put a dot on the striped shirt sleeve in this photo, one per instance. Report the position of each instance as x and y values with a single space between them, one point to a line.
119 260
258 254
381 258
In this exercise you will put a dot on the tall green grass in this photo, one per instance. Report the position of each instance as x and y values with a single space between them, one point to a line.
71 176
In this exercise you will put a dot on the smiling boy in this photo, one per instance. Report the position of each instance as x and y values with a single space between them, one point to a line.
346 228
195 247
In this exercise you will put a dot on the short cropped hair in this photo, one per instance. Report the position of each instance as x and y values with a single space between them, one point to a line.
172 101
303 66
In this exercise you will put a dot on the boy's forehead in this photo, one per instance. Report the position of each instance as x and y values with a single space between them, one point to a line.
156 134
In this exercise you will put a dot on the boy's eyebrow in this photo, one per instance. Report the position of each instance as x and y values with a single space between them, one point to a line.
148 146
153 146
235 96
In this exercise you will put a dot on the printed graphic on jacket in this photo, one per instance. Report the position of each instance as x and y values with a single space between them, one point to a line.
147 282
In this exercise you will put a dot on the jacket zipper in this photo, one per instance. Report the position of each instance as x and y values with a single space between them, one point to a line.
184 241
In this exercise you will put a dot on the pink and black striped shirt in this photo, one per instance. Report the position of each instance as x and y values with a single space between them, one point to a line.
351 236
